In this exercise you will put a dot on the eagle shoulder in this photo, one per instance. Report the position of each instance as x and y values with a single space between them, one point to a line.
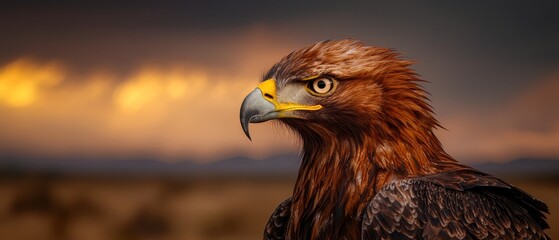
453 205
277 224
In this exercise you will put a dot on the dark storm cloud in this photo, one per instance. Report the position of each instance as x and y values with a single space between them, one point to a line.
486 49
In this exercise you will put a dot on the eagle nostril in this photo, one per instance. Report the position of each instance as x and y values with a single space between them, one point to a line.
267 95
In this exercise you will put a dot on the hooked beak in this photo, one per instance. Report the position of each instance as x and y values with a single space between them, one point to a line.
261 105
256 109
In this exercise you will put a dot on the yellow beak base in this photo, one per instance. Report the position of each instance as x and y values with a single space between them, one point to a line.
269 93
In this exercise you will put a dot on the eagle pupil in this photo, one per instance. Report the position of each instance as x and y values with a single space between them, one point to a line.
321 84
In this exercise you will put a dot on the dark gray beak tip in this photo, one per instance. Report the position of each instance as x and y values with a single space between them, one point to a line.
244 125
248 136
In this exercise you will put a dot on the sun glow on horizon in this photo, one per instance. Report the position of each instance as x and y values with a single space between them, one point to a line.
173 112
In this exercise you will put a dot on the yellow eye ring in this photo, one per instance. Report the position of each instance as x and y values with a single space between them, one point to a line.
320 86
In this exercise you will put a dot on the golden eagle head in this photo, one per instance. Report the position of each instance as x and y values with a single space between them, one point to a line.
343 89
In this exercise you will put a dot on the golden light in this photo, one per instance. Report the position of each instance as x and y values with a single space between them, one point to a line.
21 80
139 91
175 111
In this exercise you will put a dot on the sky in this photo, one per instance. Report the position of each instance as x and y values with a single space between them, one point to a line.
165 80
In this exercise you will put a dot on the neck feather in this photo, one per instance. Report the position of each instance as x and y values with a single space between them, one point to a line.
341 169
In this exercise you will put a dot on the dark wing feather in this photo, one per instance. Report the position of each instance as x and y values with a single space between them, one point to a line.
457 205
277 224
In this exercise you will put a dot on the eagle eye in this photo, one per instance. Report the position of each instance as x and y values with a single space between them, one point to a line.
320 85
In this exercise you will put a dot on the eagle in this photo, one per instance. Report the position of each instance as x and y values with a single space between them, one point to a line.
372 166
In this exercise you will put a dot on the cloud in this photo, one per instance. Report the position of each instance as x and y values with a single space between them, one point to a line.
174 112
160 112
22 79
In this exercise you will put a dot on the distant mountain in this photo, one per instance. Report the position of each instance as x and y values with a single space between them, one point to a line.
286 164
278 165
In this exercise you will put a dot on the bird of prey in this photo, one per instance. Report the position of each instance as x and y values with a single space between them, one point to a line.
372 167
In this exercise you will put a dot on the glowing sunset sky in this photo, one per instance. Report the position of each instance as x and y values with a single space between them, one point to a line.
166 80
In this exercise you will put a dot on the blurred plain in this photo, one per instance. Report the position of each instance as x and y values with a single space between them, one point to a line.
119 120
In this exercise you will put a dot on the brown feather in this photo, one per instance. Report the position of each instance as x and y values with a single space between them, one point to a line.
376 128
